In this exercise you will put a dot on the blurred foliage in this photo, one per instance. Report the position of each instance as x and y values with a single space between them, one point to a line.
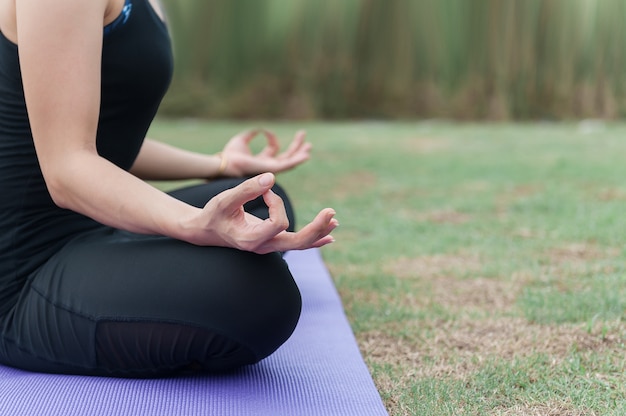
464 59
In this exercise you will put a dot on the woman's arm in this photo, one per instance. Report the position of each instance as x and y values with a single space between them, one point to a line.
60 66
159 161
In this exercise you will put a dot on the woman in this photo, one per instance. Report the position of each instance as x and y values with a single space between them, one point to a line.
100 273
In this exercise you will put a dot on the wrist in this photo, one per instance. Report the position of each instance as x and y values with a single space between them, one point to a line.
217 166
223 159
185 227
194 228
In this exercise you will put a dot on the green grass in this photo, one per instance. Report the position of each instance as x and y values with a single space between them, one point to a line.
481 265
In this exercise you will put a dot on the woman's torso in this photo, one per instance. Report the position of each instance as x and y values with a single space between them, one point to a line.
136 70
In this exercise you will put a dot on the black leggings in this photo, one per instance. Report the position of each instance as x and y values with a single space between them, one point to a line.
114 303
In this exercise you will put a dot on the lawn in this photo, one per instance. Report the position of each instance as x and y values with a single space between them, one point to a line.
480 265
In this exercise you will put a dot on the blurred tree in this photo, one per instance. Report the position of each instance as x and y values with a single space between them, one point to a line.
472 59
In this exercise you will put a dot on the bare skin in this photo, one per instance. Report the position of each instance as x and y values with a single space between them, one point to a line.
63 105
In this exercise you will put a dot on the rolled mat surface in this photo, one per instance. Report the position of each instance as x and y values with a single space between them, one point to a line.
318 371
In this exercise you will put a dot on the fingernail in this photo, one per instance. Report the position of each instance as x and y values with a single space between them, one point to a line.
266 179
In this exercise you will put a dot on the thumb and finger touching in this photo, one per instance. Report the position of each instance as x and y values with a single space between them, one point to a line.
272 147
248 190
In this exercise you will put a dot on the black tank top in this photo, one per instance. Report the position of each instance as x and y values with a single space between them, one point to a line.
136 71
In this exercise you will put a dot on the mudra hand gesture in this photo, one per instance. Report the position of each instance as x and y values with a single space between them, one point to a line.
223 221
240 161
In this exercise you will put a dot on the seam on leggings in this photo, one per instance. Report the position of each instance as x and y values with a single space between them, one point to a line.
46 359
64 308
61 305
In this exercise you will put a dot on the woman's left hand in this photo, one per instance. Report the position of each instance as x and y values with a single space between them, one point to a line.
242 162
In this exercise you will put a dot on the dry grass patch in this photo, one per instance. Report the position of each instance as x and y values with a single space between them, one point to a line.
541 409
575 253
458 348
475 294
611 194
578 259
434 282
356 270
438 265
519 192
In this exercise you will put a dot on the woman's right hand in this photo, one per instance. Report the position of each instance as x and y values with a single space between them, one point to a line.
223 222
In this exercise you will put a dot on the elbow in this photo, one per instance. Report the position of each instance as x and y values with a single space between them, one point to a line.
59 197
58 191
63 177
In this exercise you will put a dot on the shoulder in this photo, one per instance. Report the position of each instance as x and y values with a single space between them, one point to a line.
15 14
8 25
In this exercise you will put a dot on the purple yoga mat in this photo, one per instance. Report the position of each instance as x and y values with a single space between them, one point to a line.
318 371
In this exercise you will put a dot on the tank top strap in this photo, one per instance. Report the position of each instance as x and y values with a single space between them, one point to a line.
121 19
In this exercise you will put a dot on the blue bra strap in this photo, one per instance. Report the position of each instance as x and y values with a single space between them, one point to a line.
121 19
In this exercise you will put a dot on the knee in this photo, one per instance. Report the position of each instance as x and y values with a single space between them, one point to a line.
238 322
257 305
276 314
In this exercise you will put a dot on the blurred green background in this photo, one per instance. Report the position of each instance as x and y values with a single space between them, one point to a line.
398 59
